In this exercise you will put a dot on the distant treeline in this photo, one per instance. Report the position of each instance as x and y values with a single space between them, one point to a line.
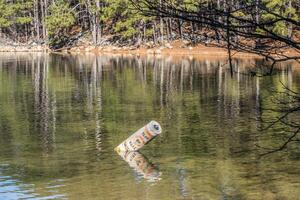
53 21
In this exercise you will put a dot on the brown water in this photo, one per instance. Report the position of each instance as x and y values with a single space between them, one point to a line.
62 115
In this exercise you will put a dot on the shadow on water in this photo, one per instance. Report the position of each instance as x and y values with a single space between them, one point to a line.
62 115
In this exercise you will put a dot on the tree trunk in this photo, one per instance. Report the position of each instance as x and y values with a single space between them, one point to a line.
167 29
193 32
161 31
154 32
144 32
256 11
170 28
32 26
43 18
45 32
290 26
94 21
179 28
228 37
161 26
98 25
36 19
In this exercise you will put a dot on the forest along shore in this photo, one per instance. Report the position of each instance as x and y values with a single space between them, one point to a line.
139 27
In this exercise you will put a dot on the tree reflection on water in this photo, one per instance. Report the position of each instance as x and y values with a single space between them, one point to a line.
62 115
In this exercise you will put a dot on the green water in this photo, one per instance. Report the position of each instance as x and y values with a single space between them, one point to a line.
62 115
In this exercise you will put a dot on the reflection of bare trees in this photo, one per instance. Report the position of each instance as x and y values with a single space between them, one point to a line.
96 79
44 102
206 109
89 75
188 74
38 104
173 79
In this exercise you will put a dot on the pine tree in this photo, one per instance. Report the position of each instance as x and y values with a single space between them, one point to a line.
15 15
60 18
283 8
127 22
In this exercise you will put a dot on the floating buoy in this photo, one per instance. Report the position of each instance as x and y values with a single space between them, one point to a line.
140 137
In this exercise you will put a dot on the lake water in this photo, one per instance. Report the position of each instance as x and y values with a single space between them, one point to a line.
62 115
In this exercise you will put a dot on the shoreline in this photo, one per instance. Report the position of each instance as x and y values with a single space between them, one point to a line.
181 51
176 48
24 48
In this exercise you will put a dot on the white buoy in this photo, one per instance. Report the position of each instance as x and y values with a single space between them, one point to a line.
140 137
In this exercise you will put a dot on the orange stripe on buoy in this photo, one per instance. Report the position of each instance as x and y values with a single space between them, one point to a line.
148 133
142 138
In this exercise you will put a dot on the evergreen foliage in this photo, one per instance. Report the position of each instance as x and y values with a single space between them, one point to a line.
60 17
13 13
282 8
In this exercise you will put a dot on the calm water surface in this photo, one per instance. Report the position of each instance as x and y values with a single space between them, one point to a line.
62 115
